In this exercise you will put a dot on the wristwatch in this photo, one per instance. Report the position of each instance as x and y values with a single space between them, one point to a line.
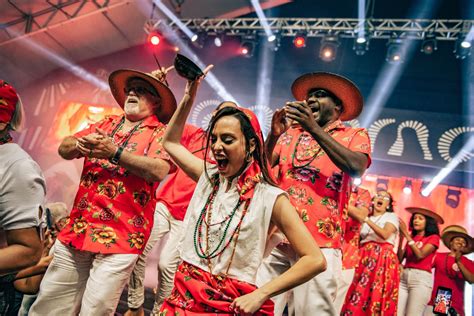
116 157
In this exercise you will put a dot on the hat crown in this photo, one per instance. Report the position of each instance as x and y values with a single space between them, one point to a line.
455 229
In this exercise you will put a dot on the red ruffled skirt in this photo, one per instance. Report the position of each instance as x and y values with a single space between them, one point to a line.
374 289
197 292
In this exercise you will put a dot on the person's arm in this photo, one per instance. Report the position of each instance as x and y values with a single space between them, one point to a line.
466 273
189 163
357 212
279 125
68 149
23 250
28 280
310 263
351 162
420 253
383 232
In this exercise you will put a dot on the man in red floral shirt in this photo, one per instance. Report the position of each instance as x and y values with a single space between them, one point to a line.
316 155
112 215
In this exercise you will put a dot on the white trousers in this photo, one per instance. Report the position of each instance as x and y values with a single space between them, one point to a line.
315 297
415 292
168 260
344 283
82 282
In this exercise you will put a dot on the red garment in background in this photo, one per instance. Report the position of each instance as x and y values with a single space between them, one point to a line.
113 209
426 263
374 289
316 186
447 274
178 189
350 248
197 292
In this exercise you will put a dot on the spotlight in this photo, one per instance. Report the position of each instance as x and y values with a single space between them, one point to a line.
462 48
423 191
429 44
394 51
407 187
271 38
453 197
199 39
300 40
218 40
154 38
382 184
361 46
328 50
247 48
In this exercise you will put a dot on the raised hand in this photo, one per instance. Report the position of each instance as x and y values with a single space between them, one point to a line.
280 123
301 112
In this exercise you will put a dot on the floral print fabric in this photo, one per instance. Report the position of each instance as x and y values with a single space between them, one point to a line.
113 208
197 292
316 186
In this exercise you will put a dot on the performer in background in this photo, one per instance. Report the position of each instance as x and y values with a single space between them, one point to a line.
374 289
316 156
229 217
112 215
416 280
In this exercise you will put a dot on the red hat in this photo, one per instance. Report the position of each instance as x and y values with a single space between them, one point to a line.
8 101
341 87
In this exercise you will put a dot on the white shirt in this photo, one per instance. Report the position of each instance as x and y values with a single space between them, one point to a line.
22 188
367 234
253 233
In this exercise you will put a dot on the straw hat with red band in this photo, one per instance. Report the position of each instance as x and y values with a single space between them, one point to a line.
454 231
425 210
343 88
8 100
118 81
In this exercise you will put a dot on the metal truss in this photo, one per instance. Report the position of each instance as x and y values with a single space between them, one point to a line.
36 21
447 30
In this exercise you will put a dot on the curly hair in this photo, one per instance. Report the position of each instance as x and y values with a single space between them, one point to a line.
431 227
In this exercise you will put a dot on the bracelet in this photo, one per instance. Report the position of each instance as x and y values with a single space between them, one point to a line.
411 242
116 157
366 219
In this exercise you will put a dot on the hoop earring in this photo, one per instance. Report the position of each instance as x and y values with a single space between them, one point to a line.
248 156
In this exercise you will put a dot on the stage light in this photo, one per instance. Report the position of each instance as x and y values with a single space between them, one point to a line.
462 48
247 48
276 43
382 184
328 50
453 197
263 20
361 46
429 44
200 40
154 38
219 39
407 187
300 40
395 51
423 191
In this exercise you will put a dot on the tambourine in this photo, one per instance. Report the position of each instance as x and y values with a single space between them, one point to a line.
186 68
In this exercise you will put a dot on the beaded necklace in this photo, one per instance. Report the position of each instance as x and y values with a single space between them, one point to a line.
124 141
6 139
316 149
202 224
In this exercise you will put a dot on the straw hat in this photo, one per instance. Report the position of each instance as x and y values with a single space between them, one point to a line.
119 79
425 210
341 87
454 231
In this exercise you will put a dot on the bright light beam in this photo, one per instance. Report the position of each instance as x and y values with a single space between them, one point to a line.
470 35
264 83
361 26
263 20
192 36
63 62
467 148
391 73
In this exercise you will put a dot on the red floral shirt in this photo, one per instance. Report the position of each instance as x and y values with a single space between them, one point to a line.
316 186
113 209
350 248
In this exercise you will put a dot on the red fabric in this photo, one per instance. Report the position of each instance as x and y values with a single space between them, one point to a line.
178 188
8 101
319 191
350 249
447 276
426 263
113 209
197 292
374 289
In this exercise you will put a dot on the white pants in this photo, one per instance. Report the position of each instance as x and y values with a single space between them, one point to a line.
415 292
168 262
344 283
82 282
315 297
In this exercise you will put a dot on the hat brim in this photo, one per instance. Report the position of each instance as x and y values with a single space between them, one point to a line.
343 88
425 211
448 236
119 78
